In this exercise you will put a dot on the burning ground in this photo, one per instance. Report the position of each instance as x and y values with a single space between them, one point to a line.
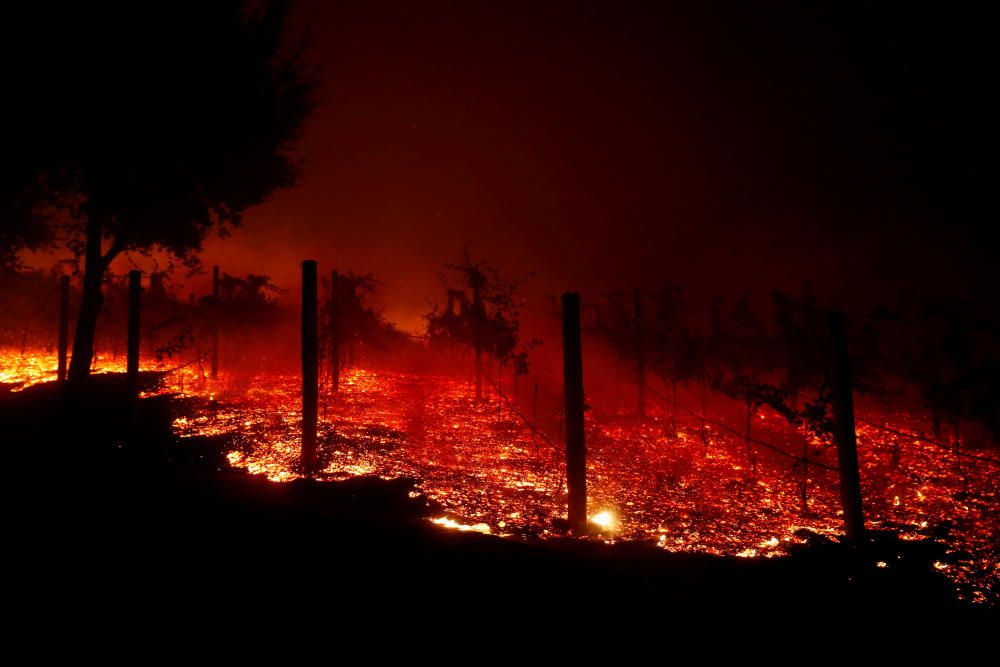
669 480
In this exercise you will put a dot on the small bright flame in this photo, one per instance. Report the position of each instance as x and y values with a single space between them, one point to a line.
451 523
605 520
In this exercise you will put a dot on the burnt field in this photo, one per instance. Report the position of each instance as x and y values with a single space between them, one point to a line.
406 460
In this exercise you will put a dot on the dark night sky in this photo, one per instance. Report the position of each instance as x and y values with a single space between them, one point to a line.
608 145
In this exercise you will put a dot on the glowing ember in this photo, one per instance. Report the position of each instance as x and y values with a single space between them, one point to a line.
451 523
604 520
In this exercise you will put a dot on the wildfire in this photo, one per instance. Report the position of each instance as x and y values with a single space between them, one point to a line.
477 461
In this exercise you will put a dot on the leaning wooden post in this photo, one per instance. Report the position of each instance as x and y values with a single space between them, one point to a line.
843 432
63 326
215 322
640 354
134 292
310 365
576 449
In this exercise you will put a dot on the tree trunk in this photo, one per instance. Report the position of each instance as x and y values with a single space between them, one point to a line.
63 326
91 300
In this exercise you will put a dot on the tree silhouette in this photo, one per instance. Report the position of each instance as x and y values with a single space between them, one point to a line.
19 229
349 320
483 313
675 350
802 337
157 124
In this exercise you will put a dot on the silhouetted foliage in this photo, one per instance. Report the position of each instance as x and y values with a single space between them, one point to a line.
946 350
351 323
28 303
247 303
247 309
21 223
802 332
484 307
614 320
675 352
160 123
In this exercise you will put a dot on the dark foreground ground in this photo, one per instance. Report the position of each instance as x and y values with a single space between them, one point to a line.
107 506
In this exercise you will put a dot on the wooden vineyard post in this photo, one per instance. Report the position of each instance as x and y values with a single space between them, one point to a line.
63 326
134 294
335 330
843 432
640 354
576 450
310 365
215 322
